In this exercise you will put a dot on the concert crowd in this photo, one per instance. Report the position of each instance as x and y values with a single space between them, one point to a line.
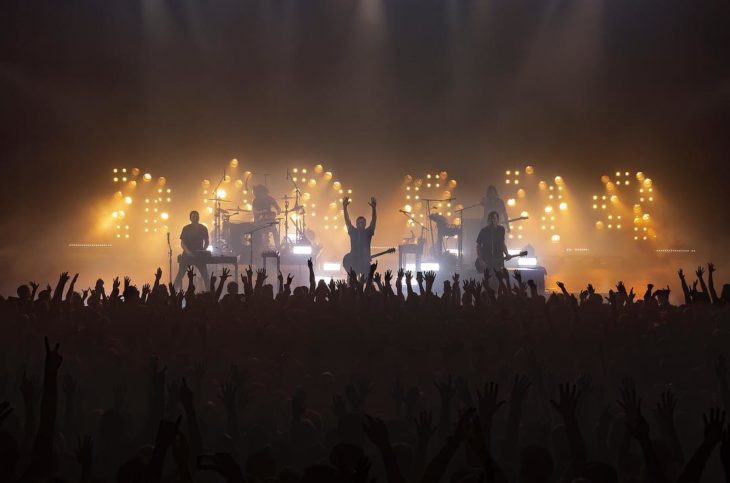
384 377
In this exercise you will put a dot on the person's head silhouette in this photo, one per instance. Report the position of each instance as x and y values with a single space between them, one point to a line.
194 217
360 222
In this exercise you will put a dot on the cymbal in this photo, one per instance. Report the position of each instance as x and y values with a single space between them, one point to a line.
220 199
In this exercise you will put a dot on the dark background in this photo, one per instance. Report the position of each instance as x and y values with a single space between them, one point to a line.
573 86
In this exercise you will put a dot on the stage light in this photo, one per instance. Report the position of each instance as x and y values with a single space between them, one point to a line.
527 261
610 186
430 266
162 180
626 182
618 174
115 214
115 170
599 225
164 215
506 181
548 209
234 163
605 179
645 217
595 206
511 202
558 180
508 172
555 238
302 250
328 175
221 193
524 213
337 185
563 206
647 183
542 185
116 180
128 200
614 199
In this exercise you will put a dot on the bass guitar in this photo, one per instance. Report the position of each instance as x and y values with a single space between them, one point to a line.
481 264
349 261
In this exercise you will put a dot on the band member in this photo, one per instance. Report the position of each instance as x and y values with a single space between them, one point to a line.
194 240
265 208
492 202
491 248
360 237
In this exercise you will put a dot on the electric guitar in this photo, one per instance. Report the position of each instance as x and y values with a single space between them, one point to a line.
348 261
481 264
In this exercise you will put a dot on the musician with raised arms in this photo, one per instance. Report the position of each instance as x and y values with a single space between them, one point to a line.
360 238
194 241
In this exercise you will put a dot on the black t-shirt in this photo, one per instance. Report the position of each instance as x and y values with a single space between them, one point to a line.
194 235
360 242
491 241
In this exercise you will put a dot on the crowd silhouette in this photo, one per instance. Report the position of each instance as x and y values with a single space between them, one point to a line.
373 378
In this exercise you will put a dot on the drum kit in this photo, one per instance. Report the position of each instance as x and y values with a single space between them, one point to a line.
233 234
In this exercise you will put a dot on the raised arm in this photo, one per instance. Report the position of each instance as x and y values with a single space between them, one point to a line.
345 204
685 289
373 214
711 283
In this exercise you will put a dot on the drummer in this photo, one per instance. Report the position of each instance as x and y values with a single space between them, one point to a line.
265 208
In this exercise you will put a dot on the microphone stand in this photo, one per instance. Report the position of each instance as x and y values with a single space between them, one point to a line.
460 244
169 256
271 223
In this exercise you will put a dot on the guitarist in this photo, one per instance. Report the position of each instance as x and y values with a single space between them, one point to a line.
360 237
491 248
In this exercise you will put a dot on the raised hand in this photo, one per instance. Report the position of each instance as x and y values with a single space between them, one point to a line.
710 268
376 431
249 272
446 389
519 388
34 285
127 282
680 272
84 451
345 201
373 202
631 405
158 275
388 276
400 273
5 411
568 401
227 395
488 401
190 272
424 427
700 271
225 274
714 426
664 410
53 358
167 432
115 283
289 279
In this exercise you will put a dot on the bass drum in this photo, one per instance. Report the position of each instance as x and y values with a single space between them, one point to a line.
238 240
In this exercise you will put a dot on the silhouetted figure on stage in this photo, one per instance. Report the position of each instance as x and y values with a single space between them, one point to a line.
265 208
194 240
491 248
492 202
360 237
